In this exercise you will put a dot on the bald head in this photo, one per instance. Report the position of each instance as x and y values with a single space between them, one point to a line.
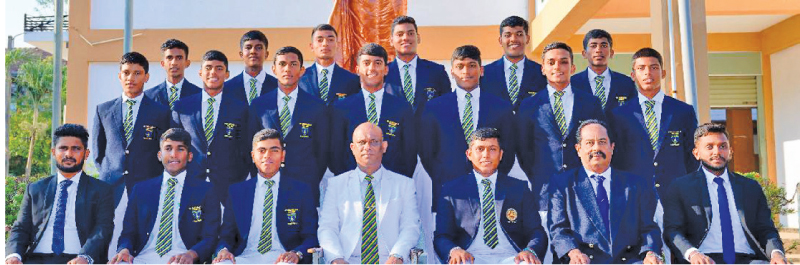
368 146
368 128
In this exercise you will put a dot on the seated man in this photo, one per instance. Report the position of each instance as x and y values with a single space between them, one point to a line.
701 221
159 205
467 232
369 214
252 229
597 221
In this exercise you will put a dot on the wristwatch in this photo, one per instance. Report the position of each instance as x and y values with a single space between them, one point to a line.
298 253
397 256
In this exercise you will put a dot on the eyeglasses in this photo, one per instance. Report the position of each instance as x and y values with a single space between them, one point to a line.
372 143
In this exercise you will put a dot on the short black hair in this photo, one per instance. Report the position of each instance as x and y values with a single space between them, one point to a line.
648 52
484 133
597 34
404 20
558 45
174 43
590 122
324 27
373 49
466 51
135 58
709 128
514 21
254 35
72 130
266 134
178 135
215 55
289 49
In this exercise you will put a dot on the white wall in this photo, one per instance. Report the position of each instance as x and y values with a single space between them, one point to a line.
786 93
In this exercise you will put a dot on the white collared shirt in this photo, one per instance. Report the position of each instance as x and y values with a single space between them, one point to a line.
462 104
659 99
178 86
72 243
507 70
136 105
378 101
256 220
606 183
478 246
412 71
292 100
567 100
259 81
148 253
204 107
606 80
329 75
376 188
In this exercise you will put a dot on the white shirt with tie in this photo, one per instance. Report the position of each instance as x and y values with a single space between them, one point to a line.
606 80
136 105
412 71
292 100
567 101
657 107
482 253
259 81
461 98
204 108
378 101
330 69
507 70
250 255
177 86
148 255
606 183
72 244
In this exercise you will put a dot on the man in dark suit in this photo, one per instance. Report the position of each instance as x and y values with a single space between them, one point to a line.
325 79
372 104
302 119
613 89
414 79
217 123
593 206
174 61
548 122
514 77
473 206
716 216
125 135
254 80
67 217
171 218
286 230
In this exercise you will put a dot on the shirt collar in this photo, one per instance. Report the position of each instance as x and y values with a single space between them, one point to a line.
412 63
606 174
181 177
138 98
659 98
378 94
179 85
710 176
476 93
329 67
292 94
259 77
217 98
375 176
567 90
479 177
520 65
606 74
276 178
75 179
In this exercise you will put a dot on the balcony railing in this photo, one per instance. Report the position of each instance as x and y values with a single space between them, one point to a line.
42 23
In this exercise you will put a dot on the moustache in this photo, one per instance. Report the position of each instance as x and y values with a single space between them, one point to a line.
598 153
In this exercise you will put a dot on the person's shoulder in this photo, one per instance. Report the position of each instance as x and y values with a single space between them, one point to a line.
495 64
41 183
745 180
186 103
566 178
153 91
301 187
107 104
443 100
454 185
96 183
236 79
310 100
429 63
152 105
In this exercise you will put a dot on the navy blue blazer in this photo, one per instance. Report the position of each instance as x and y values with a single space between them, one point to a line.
111 150
342 84
397 122
160 93
676 140
442 143
432 81
234 87
622 89
542 150
225 161
460 215
306 144
575 221
494 79
198 217
295 216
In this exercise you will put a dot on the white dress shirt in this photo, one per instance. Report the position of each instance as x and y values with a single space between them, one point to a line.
462 104
478 248
659 99
136 105
378 101
520 69
412 71
606 80
250 254
292 100
204 107
178 86
148 254
330 69
72 244
259 81
567 100
606 183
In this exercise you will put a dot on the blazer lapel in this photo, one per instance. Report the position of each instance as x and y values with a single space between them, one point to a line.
243 206
151 198
117 120
383 196
702 188
80 203
197 116
666 117
500 72
354 189
499 197
585 193
548 111
50 195
619 201
737 195
474 199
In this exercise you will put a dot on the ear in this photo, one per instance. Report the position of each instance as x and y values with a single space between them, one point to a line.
190 156
266 53
302 69
159 155
572 69
53 152
163 64
578 147
241 54
274 69
384 145
611 54
696 153
585 55
188 62
146 77
481 73
86 155
663 73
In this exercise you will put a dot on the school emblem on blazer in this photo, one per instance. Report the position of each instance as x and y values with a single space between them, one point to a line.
392 128
430 93
197 213
341 96
622 100
150 132
675 137
291 214
231 130
305 130
511 215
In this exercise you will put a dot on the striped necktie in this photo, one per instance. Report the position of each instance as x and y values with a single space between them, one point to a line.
513 85
466 120
164 240
285 116
652 126
559 112
252 91
173 96
209 121
324 86
488 211
128 123
600 91
265 241
369 234
372 112
407 89
61 217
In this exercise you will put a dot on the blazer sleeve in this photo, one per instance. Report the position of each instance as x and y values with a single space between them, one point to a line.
409 142
322 141
409 221
674 220
509 146
97 243
429 141
446 228
525 139
22 233
765 231
339 154
328 231
692 164
649 232
129 235
564 238
444 80
309 222
176 119
211 226
99 143
533 223
229 231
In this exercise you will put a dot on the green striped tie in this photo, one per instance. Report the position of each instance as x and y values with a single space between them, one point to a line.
513 85
372 113
252 91
164 240
209 122
466 120
369 234
324 86
652 126
285 116
265 241
407 89
489 225
559 112
600 91
128 123
173 96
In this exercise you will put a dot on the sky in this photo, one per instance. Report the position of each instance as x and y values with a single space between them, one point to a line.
15 11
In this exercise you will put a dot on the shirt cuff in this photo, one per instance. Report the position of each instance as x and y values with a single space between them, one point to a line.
14 255
779 251
689 251
88 258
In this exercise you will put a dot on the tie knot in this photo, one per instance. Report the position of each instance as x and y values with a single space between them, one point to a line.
172 181
486 183
719 180
253 80
599 78
513 66
650 103
324 71
558 94
130 102
211 101
173 89
405 67
269 183
66 183
286 99
600 178
468 95
372 96
369 177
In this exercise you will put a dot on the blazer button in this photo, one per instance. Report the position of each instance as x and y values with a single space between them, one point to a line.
591 245
623 259
208 153
655 164
564 165
125 173
658 185
208 170
127 151
629 247
591 257
563 145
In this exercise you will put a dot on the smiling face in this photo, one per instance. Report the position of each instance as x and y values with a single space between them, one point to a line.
647 73
174 62
268 156
132 78
558 68
288 69
513 41
174 155
485 155
253 53
405 39
598 52
595 149
213 73
371 70
467 73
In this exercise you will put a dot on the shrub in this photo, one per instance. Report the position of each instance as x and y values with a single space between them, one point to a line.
776 196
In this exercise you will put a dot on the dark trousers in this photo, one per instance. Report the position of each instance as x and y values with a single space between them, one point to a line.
740 258
39 258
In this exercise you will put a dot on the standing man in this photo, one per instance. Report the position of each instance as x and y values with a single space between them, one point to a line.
514 77
217 123
414 79
172 218
716 216
325 79
611 88
301 119
125 135
66 218
369 214
175 60
600 215
254 80
469 232
372 104
288 223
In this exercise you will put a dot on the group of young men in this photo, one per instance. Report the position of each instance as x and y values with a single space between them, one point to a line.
232 171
